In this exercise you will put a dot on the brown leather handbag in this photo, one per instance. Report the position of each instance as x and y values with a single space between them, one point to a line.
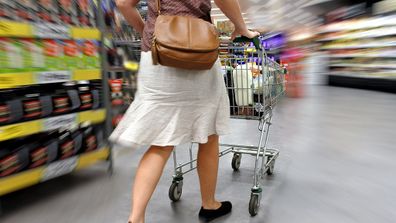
184 42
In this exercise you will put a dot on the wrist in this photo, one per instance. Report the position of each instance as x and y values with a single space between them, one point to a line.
243 30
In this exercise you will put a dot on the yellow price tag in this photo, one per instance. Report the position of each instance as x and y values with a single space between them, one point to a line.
11 80
15 29
19 130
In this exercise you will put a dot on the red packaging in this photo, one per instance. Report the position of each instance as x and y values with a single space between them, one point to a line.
116 91
47 10
38 157
26 10
67 11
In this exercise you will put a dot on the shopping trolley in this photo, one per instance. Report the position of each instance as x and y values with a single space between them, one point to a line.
255 83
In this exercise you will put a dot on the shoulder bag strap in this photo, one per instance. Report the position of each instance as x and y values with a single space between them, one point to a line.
158 6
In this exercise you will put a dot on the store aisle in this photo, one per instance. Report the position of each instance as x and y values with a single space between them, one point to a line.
337 156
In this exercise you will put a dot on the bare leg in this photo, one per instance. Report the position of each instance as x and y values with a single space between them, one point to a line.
207 166
147 176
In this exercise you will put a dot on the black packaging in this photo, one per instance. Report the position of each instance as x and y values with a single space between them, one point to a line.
66 99
10 110
31 106
13 160
45 151
77 137
85 95
66 145
90 142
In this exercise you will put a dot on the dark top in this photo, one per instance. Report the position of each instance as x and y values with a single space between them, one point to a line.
196 8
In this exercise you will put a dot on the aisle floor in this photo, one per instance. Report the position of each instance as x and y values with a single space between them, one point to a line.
336 165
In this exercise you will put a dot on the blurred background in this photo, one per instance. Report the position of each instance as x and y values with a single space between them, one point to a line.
68 72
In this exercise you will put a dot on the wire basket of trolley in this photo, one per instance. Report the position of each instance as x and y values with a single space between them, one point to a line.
255 84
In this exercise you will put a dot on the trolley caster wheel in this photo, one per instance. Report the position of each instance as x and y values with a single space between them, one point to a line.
175 191
271 169
236 161
254 204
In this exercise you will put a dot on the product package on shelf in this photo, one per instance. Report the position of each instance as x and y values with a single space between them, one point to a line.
67 12
89 96
11 109
11 55
34 54
13 158
85 13
48 11
27 10
116 91
53 51
44 148
8 10
90 53
72 55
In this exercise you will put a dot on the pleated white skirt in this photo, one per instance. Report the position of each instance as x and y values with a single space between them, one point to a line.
174 106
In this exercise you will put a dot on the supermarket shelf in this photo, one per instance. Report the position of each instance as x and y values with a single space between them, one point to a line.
357 46
135 43
365 75
364 34
363 82
46 30
116 69
362 24
34 176
387 66
381 55
32 127
12 80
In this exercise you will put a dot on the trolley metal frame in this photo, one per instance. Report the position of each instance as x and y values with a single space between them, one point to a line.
251 98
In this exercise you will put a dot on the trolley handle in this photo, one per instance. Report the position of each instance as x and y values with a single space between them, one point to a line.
244 39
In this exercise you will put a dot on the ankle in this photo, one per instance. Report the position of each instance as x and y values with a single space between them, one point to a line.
211 205
134 219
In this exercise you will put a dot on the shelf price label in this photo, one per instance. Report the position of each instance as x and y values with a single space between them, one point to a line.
11 131
59 168
64 121
51 31
53 77
14 29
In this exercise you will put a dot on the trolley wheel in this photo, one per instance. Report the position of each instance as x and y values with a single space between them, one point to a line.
236 161
175 191
254 204
271 168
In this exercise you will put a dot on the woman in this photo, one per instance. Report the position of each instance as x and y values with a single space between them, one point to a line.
175 106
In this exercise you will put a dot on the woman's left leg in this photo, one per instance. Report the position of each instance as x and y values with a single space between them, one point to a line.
147 176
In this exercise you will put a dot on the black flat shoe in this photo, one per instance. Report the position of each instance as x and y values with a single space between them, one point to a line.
209 215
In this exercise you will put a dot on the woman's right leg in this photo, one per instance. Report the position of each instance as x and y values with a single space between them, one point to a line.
147 176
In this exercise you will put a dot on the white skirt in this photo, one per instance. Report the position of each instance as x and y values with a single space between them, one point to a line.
174 106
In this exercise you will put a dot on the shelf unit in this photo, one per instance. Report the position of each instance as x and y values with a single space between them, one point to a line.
14 80
17 79
47 124
56 169
363 48
46 30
